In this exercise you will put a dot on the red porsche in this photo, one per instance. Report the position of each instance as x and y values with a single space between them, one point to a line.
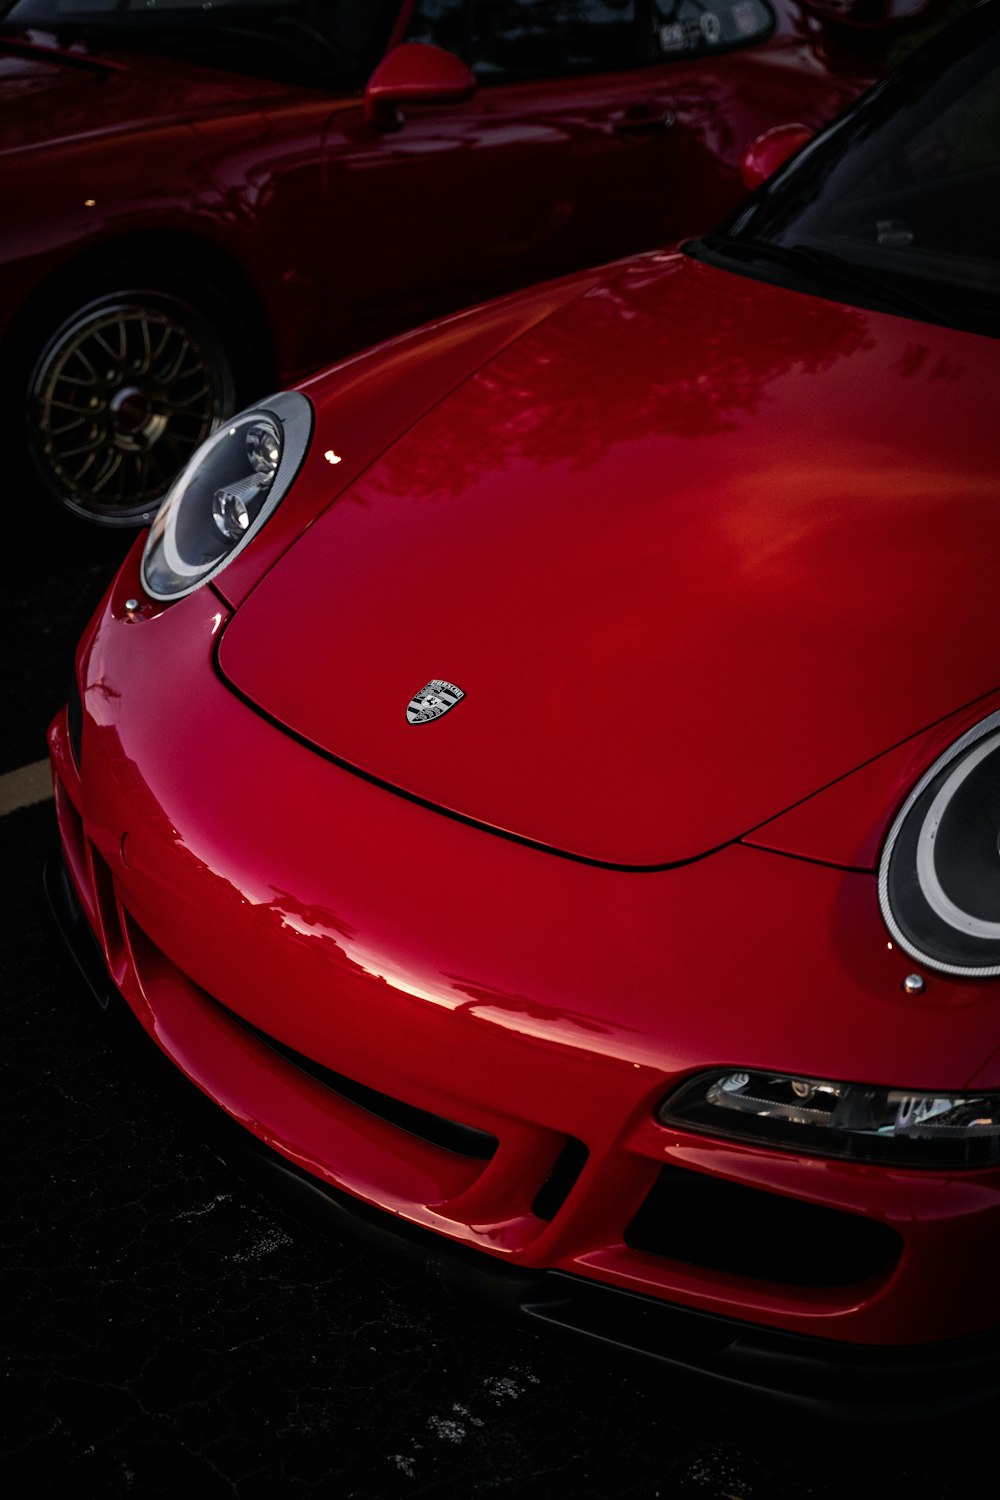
539 778
205 201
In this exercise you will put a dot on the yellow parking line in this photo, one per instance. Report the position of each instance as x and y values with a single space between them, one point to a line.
24 787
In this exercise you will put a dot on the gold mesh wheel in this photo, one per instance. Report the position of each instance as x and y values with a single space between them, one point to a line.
119 398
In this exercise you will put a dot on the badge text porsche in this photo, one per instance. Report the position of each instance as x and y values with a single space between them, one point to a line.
432 701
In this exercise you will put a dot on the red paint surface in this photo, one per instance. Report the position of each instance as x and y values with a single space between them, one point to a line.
497 985
713 497
677 600
339 233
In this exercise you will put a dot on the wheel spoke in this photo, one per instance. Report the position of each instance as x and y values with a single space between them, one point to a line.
73 406
88 464
190 371
111 466
170 374
84 359
203 390
93 445
67 379
118 355
77 417
147 346
69 432
164 341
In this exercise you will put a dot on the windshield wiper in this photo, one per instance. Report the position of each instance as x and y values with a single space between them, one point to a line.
826 267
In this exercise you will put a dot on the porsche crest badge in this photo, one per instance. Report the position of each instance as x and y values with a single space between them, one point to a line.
432 701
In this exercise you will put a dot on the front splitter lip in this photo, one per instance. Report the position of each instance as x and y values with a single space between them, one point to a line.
857 1383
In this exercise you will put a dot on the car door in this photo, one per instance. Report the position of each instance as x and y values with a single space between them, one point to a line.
561 159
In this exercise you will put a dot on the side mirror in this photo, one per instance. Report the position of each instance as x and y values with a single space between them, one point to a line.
769 151
414 73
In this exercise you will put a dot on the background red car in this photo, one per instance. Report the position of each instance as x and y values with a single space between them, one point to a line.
202 204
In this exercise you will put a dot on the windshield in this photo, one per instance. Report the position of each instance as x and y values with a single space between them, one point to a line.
898 206
506 41
335 43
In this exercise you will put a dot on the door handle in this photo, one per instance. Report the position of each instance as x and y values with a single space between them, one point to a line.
643 122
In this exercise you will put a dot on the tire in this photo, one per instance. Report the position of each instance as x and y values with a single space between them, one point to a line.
117 383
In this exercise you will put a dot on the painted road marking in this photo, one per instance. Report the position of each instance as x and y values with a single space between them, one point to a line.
25 787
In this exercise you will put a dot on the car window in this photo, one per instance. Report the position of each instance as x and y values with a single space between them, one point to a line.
689 28
521 37
511 39
902 195
964 138
443 23
333 42
920 192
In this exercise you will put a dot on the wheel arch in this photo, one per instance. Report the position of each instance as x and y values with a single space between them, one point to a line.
179 257
171 265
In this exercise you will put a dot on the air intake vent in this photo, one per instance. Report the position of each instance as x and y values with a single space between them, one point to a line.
692 1217
436 1130
561 1180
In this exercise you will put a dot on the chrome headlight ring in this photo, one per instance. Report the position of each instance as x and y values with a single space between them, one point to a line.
224 494
939 875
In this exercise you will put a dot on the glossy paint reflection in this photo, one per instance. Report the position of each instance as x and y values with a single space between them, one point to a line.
397 902
488 983
652 541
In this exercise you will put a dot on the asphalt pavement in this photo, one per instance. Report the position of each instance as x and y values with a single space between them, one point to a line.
166 1330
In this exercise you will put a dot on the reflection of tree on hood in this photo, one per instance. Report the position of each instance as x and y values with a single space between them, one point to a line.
670 348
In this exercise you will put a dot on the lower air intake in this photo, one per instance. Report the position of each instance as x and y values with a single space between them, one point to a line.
723 1226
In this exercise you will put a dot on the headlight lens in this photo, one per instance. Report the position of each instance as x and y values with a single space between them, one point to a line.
226 492
939 877
818 1117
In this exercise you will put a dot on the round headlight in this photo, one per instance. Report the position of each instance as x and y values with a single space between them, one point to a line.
226 492
939 878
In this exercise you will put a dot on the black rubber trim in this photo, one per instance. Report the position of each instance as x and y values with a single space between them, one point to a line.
561 1180
74 719
436 1130
858 1383
74 929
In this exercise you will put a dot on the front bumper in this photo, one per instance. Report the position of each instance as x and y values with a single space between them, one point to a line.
407 1020
864 1384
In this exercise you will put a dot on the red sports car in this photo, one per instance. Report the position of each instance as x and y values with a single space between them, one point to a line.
203 202
540 777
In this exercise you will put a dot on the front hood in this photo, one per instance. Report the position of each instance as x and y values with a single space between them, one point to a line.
50 94
693 547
